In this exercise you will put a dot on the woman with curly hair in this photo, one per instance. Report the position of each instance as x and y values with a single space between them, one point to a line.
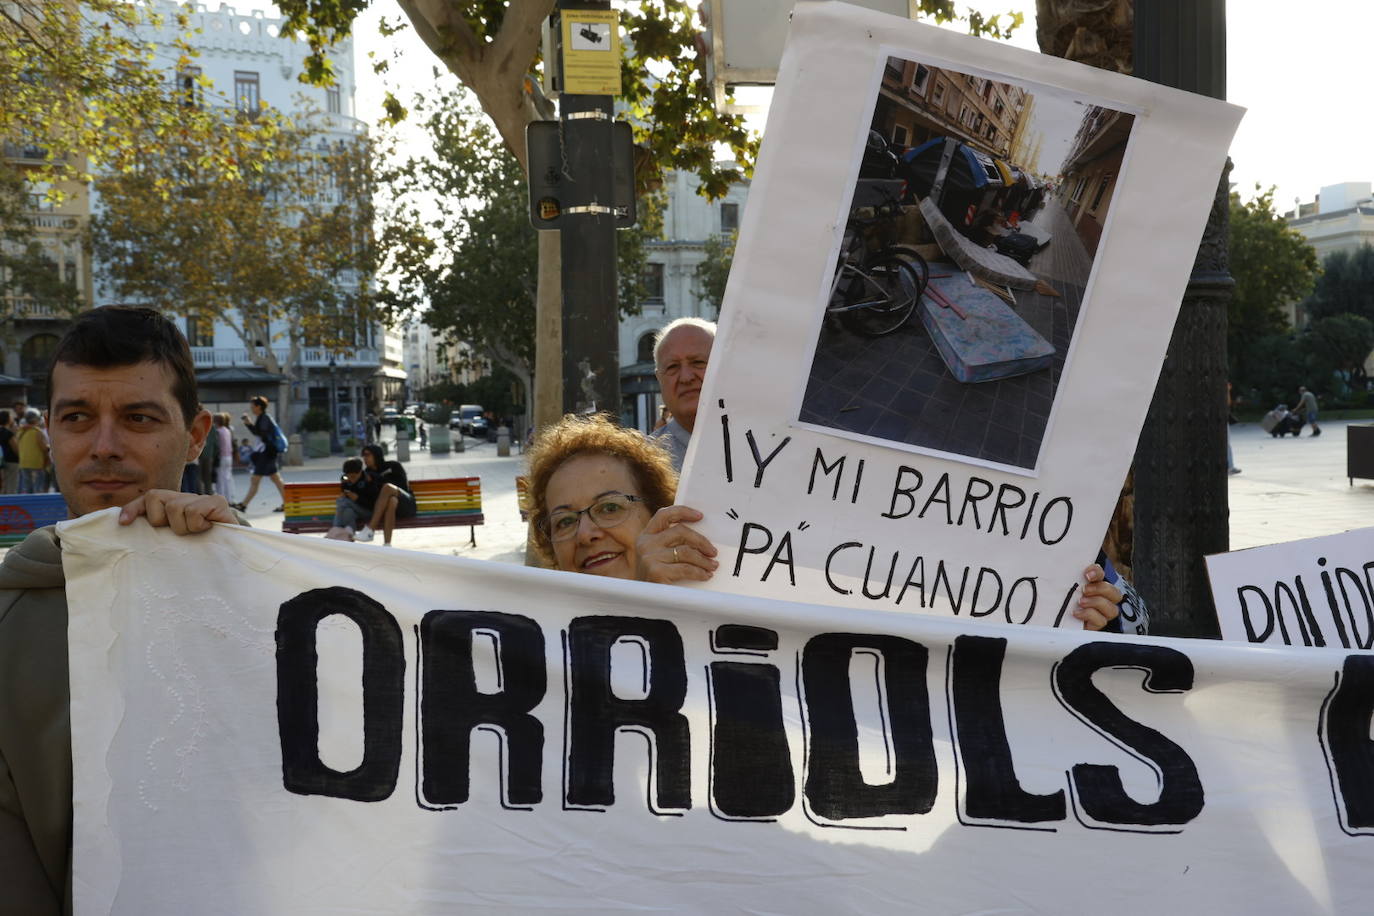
601 497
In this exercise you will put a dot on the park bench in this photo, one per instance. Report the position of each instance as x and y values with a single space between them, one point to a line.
21 513
438 503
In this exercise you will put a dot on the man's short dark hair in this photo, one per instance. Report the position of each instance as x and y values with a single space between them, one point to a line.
353 466
124 335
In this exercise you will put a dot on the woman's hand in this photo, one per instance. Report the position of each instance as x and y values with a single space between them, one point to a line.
1097 606
668 551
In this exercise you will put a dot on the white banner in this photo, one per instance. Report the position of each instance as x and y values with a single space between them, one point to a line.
934 467
1312 592
271 724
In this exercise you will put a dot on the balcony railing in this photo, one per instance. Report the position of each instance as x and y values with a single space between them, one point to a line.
311 357
29 152
26 308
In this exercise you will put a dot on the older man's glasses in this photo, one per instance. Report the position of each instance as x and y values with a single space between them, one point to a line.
607 512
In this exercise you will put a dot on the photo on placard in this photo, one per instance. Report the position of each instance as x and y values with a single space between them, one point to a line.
964 268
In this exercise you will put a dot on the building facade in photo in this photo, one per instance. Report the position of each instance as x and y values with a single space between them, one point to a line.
1091 170
917 103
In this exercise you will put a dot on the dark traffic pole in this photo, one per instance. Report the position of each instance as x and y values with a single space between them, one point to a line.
591 330
1181 511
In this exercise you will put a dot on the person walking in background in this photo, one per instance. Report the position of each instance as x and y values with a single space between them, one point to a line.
208 462
1230 421
1307 409
8 453
33 454
224 466
264 459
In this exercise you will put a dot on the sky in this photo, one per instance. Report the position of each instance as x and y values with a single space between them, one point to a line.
1302 78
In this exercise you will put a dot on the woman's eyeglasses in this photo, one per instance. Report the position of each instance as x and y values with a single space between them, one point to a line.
607 512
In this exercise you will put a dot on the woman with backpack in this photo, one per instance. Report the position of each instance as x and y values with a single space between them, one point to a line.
264 458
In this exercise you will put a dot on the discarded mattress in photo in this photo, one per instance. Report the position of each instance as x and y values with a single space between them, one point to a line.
979 337
969 255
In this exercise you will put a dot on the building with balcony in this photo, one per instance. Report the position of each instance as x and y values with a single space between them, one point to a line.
1340 219
251 61
672 290
31 324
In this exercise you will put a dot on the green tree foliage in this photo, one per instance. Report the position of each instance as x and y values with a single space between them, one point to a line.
499 391
293 244
85 88
712 273
28 269
1273 266
1339 345
1346 285
1278 367
475 264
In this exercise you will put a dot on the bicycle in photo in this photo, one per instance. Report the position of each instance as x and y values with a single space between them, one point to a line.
875 291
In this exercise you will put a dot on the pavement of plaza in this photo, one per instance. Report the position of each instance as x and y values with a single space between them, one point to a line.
1290 489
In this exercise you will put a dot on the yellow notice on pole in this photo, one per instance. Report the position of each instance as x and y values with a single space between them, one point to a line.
591 52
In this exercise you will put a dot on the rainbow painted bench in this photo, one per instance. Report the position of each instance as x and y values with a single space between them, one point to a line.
446 501
21 513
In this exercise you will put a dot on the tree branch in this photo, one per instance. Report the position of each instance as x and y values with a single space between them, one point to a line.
515 44
444 31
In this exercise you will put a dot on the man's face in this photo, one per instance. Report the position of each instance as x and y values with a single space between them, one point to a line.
117 432
681 366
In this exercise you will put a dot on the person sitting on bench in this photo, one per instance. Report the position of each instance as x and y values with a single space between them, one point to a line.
387 493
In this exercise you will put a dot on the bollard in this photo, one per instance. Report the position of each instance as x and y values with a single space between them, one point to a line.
439 439
503 442
458 444
402 444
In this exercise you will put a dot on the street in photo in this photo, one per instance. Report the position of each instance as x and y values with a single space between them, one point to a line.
975 220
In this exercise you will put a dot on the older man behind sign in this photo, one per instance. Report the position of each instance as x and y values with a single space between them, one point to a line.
681 352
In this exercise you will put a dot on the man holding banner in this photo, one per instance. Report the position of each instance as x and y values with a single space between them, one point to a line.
125 419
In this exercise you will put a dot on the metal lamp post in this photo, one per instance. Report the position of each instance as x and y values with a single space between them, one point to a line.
333 406
1180 467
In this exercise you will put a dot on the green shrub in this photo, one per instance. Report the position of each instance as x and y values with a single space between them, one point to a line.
316 420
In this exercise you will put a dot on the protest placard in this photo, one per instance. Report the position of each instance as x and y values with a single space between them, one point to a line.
269 724
1313 592
945 317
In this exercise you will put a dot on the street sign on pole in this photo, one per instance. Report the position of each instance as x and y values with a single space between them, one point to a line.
578 194
591 52
556 190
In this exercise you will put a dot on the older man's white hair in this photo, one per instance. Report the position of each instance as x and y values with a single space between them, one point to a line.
700 324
